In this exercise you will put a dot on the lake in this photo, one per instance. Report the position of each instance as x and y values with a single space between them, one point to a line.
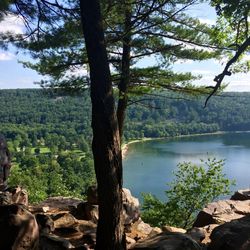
148 165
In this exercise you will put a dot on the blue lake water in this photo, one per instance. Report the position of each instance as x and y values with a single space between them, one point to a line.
148 165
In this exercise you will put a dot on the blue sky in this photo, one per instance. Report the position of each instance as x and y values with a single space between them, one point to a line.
13 75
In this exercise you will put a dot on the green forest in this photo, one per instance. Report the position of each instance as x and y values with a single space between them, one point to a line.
49 135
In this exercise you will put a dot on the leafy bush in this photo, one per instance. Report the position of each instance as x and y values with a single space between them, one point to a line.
194 186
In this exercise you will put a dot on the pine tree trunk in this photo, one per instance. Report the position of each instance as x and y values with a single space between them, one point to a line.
125 73
106 139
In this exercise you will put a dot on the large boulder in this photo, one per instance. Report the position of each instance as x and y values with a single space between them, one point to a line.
53 242
241 195
45 223
64 220
5 198
222 211
86 211
89 210
131 211
139 230
167 241
170 229
56 204
5 163
18 227
92 197
234 235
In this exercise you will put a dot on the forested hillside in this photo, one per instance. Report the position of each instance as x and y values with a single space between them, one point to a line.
178 115
49 135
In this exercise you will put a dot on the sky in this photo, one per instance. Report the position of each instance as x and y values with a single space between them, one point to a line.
14 75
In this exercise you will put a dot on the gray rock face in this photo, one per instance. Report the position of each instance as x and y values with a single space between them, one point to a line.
56 204
222 211
18 227
5 163
241 195
64 220
131 211
52 242
86 211
167 241
45 223
234 235
92 197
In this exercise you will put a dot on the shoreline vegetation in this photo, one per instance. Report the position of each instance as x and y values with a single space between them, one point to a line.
125 146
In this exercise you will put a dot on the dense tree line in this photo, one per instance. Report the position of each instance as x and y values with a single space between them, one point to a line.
35 118
176 115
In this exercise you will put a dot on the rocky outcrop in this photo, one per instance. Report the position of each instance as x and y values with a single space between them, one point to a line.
226 223
165 240
170 229
233 235
18 227
241 195
55 204
222 211
131 207
66 223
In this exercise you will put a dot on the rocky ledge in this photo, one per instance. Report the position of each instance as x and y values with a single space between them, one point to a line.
66 223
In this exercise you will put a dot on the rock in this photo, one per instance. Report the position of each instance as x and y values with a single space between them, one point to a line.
5 163
19 196
70 234
131 211
167 241
208 230
222 211
197 234
241 195
52 242
155 230
63 220
14 195
92 197
87 227
16 221
143 227
86 211
38 209
234 235
173 229
45 223
130 242
57 204
5 198
139 230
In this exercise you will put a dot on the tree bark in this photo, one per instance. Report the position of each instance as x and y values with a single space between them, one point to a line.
125 72
106 139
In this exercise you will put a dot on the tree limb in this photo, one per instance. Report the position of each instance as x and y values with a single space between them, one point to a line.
226 72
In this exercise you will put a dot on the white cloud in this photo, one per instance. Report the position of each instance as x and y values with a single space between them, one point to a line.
207 21
238 82
6 56
180 61
12 24
202 72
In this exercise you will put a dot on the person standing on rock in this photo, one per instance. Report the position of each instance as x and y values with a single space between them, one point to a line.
5 163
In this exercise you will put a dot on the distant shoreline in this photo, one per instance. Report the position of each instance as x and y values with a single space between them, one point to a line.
125 146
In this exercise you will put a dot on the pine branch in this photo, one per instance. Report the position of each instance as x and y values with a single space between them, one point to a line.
226 72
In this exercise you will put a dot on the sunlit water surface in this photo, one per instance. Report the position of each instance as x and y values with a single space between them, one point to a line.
148 165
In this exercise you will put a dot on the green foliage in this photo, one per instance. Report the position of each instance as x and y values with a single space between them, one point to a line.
232 31
157 29
194 186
